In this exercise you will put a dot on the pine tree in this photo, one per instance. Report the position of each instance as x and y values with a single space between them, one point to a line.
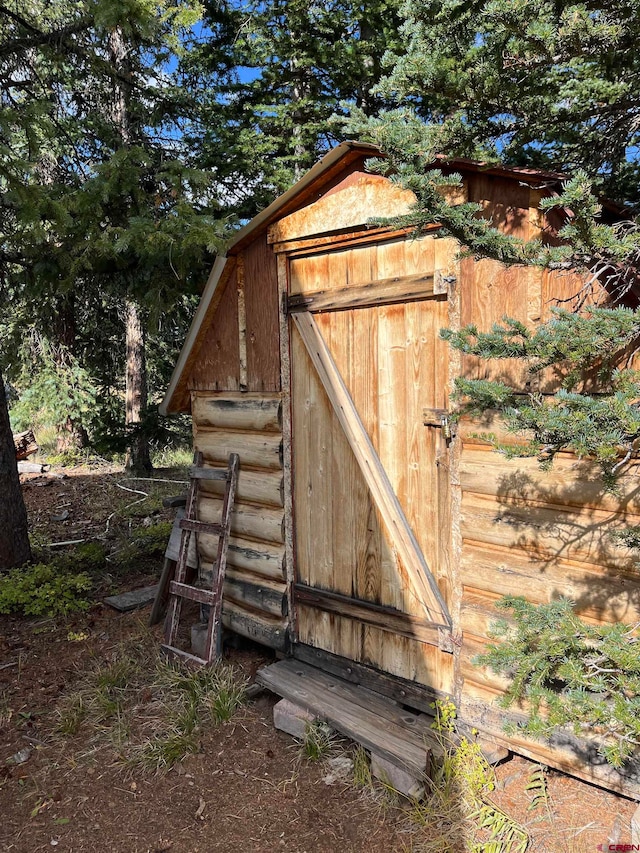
14 537
85 222
115 221
540 84
546 84
273 75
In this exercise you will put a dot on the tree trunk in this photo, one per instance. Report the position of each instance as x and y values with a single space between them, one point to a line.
301 89
364 100
62 321
71 434
138 457
121 85
14 538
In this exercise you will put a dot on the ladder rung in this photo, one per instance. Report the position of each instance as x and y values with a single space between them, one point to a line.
178 589
193 593
209 473
201 526
193 660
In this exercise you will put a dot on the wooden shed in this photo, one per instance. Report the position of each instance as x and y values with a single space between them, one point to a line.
367 541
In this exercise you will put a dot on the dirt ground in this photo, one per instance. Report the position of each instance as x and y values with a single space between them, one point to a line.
248 787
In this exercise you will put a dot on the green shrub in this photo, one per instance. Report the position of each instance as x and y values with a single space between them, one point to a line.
87 557
145 541
43 590
56 387
154 538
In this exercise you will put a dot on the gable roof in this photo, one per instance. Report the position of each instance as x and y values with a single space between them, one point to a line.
306 191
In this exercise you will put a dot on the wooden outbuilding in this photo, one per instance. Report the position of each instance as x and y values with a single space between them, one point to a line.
369 538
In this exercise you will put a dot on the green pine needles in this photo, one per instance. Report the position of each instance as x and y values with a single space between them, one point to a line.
544 85
582 351
570 673
580 340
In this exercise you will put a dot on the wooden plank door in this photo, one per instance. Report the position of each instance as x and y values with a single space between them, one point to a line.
371 574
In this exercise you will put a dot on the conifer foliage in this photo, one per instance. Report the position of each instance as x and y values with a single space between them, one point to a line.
272 75
585 350
571 673
548 84
103 208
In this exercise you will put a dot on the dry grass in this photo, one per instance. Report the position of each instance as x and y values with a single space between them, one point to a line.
147 711
457 812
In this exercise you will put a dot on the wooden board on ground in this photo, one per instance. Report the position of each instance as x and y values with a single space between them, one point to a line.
32 467
374 721
132 600
408 693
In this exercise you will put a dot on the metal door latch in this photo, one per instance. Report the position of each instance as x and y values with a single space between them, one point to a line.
440 418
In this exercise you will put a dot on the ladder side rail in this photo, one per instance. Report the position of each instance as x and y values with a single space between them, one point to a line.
175 603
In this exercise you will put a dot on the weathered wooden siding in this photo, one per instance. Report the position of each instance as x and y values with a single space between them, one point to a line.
510 205
255 594
543 535
489 292
528 532
236 407
262 327
487 526
240 349
540 535
218 365
350 204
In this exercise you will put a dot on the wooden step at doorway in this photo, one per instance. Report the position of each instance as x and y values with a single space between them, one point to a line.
377 723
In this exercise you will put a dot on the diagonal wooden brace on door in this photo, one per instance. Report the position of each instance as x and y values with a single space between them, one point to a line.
385 499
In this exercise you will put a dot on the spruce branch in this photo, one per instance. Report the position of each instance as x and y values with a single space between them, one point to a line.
573 675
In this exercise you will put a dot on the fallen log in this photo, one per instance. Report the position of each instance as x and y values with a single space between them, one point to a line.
25 444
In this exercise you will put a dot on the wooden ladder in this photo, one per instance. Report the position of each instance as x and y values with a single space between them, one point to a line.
179 589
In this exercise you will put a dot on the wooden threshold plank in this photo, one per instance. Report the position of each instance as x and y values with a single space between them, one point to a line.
418 696
309 688
416 727
384 618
